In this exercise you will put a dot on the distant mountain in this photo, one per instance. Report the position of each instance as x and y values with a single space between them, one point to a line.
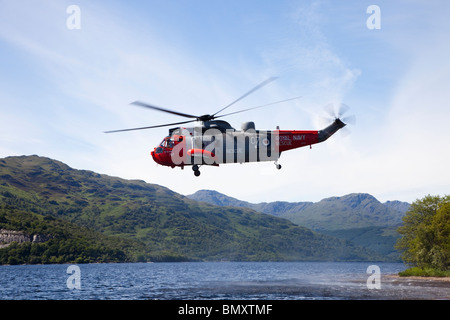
355 210
358 217
396 205
277 208
90 217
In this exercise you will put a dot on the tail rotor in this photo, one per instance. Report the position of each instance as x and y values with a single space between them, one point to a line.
334 112
338 112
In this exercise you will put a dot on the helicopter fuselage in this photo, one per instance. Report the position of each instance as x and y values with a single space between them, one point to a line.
216 142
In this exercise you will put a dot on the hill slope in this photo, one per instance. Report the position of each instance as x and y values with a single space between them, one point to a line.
165 223
356 210
357 217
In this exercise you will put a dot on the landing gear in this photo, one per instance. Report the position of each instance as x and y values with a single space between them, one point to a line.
196 170
278 166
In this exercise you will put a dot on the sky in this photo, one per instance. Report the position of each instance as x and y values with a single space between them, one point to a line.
67 76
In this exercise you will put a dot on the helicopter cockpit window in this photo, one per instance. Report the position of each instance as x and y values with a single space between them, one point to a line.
167 143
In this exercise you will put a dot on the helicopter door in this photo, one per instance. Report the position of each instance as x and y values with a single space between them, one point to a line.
196 145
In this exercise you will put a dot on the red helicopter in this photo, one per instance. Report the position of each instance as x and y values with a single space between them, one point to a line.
214 142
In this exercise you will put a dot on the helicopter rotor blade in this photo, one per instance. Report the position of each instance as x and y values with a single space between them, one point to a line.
151 127
342 109
334 113
259 86
338 112
203 118
265 105
351 119
146 105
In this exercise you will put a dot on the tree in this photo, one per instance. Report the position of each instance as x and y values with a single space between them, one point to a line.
425 240
441 227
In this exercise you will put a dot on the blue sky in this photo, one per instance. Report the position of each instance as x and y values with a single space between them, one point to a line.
61 88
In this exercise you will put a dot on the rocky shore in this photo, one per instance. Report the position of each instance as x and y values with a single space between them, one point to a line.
9 236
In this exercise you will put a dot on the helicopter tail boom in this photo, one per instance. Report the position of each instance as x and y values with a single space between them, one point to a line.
324 134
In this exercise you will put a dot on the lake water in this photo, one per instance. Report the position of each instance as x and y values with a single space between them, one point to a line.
214 281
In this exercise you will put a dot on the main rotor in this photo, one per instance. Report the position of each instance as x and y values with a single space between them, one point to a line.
203 118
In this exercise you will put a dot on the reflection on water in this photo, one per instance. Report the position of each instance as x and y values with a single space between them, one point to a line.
228 280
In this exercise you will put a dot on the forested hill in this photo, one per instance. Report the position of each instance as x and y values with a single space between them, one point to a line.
84 216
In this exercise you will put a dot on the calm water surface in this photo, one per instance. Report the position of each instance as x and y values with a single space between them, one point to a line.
211 280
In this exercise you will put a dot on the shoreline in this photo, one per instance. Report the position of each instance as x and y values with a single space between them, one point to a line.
421 278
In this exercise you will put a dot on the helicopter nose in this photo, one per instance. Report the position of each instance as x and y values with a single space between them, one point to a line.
156 157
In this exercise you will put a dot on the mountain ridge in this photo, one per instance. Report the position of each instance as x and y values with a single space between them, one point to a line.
138 221
357 217
307 213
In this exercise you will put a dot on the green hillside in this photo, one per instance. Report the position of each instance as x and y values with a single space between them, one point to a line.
358 217
356 210
60 241
142 221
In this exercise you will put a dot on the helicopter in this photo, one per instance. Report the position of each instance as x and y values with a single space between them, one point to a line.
214 142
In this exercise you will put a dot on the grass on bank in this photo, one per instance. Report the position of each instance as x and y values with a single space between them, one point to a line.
424 272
